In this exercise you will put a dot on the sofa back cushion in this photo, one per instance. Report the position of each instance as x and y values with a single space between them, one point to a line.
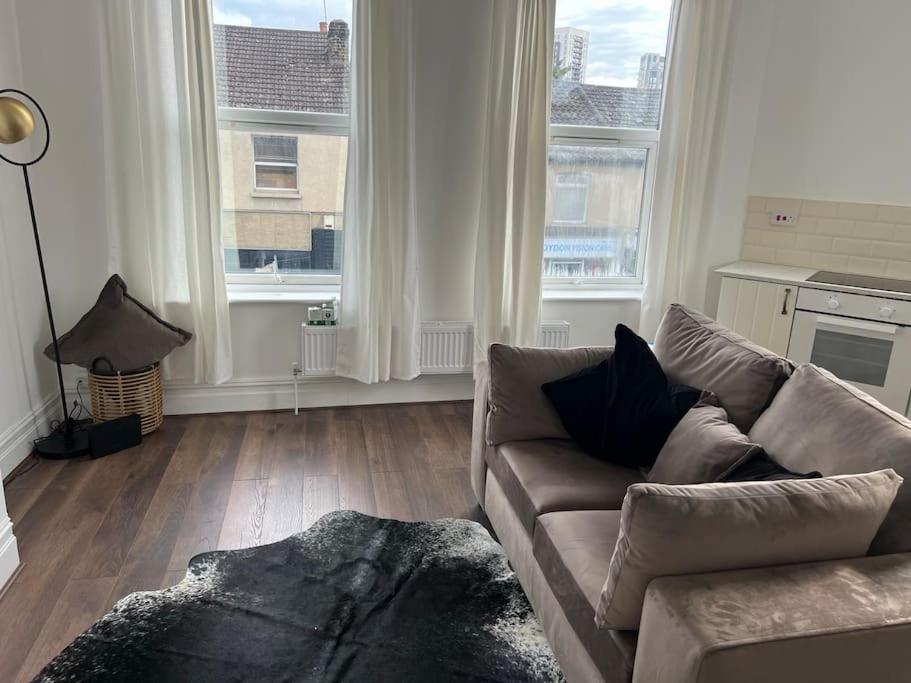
519 410
672 530
818 422
695 350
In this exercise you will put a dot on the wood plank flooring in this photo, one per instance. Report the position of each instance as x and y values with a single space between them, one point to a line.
91 531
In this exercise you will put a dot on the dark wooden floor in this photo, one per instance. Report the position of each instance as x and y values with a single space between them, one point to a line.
91 531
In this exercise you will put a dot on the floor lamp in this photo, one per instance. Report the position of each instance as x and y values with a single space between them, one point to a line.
17 123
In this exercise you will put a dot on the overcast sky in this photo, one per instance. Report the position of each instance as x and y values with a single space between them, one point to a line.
621 30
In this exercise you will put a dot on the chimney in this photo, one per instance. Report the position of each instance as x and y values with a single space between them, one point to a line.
338 41
323 27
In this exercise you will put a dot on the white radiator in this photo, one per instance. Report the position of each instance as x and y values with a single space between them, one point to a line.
318 350
446 347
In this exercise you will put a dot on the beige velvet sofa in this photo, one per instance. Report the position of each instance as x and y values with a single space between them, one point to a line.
556 512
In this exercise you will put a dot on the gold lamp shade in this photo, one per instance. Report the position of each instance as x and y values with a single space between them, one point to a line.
16 121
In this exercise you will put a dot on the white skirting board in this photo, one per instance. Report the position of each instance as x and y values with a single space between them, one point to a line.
16 441
9 551
278 393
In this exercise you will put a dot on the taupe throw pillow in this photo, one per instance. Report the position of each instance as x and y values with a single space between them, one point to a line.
674 530
695 350
702 447
118 334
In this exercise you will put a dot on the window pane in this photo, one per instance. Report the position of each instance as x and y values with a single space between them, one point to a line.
609 62
269 177
593 227
275 148
300 233
282 56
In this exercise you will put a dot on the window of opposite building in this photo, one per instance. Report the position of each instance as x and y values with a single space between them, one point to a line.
275 163
605 106
282 85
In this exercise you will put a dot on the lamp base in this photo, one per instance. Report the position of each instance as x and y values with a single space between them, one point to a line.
58 447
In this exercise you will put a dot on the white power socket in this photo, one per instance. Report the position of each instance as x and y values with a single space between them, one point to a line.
782 218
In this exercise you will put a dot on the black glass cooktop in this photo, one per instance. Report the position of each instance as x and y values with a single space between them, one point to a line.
870 282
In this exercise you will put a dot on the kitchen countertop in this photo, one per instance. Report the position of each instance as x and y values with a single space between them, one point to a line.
791 275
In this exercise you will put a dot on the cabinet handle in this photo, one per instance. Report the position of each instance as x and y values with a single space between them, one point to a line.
784 304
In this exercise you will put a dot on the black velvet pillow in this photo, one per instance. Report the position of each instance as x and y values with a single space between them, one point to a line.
621 410
759 466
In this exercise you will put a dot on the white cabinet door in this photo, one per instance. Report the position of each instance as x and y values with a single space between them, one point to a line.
760 311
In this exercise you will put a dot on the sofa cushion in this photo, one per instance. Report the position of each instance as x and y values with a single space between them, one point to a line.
551 475
574 550
818 422
622 409
519 410
702 447
672 530
697 351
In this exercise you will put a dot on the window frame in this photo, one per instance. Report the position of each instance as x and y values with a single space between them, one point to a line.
632 138
278 122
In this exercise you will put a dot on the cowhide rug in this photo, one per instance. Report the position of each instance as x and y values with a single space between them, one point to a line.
354 598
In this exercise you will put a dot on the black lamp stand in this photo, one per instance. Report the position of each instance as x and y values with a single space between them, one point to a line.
68 439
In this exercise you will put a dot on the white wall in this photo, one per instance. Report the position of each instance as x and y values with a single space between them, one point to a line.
817 108
836 103
19 378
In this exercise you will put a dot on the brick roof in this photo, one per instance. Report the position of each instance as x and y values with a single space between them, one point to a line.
293 70
284 69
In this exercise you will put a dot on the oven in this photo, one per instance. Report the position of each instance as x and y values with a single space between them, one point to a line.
864 340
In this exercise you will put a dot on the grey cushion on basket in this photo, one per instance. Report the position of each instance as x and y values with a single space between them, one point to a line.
119 332
819 422
695 350
702 447
673 530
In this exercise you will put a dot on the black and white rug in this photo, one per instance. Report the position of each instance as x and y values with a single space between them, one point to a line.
354 598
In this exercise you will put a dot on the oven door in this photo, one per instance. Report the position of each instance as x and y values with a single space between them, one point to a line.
875 357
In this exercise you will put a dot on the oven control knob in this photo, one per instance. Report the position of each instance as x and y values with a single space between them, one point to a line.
833 302
886 311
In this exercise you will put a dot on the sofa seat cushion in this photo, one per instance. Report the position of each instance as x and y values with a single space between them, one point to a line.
819 422
551 475
574 550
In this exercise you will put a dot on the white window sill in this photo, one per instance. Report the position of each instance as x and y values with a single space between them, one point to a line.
276 194
593 294
302 294
238 294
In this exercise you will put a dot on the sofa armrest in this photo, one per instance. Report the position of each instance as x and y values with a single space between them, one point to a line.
479 432
843 620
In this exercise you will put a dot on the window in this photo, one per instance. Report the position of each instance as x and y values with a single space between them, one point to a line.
608 75
275 162
282 84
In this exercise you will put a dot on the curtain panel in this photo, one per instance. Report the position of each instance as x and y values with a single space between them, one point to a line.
164 206
691 121
379 331
510 236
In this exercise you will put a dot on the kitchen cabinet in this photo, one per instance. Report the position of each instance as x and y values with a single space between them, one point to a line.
760 311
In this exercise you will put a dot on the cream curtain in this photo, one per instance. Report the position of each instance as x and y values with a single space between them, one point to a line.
162 157
378 336
697 80
510 237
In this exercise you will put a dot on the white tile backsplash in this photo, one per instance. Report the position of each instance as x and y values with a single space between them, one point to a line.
868 239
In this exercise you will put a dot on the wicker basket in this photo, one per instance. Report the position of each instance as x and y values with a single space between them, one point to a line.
126 393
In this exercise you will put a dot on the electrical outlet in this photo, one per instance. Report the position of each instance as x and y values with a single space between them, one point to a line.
782 218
